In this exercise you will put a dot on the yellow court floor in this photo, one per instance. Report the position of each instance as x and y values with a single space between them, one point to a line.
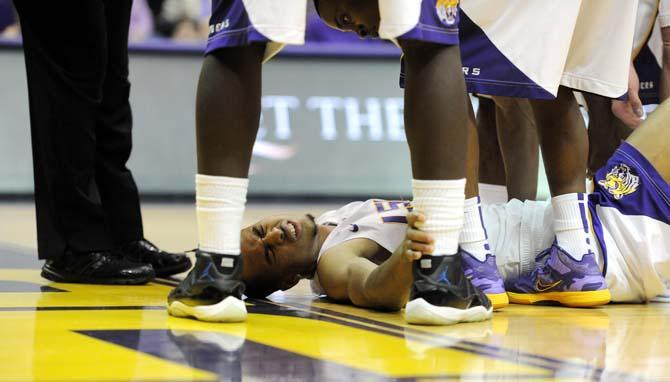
68 332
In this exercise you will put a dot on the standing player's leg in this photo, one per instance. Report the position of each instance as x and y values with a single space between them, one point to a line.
492 179
478 257
436 125
227 119
118 192
517 135
567 272
605 131
509 151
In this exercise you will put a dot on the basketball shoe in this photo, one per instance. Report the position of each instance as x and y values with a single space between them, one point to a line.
442 295
212 291
485 277
559 278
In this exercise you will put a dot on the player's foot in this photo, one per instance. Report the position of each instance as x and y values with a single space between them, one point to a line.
96 268
164 263
559 278
442 295
485 277
212 291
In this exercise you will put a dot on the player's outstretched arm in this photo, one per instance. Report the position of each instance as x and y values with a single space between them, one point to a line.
347 275
652 139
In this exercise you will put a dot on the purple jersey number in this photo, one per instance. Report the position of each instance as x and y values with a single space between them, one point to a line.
394 205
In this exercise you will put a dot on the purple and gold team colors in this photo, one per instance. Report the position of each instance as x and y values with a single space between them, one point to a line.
630 212
560 278
484 276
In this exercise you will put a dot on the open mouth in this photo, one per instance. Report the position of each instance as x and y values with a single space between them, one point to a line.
291 230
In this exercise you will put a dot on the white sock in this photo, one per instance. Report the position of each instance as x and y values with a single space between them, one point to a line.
474 238
442 203
220 202
493 193
571 224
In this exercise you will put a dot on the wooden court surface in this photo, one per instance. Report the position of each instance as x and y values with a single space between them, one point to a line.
68 332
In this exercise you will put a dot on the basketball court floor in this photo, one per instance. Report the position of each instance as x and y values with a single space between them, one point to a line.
68 332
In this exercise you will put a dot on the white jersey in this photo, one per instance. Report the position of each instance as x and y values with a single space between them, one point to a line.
382 221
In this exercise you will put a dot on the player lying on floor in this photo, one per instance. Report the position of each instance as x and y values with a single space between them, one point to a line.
362 253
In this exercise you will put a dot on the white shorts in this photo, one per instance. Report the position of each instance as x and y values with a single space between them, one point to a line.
519 231
527 48
281 22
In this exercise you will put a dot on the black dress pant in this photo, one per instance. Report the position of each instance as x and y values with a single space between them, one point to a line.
76 54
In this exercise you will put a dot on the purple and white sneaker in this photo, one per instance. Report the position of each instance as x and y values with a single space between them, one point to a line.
484 275
559 278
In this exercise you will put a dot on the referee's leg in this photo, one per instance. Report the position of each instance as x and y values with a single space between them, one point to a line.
65 64
114 131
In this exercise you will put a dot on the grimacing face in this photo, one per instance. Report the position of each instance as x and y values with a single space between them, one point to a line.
359 16
275 250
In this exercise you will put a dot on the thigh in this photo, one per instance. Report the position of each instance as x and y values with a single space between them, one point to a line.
70 38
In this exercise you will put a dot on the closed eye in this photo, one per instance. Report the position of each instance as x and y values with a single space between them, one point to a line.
258 231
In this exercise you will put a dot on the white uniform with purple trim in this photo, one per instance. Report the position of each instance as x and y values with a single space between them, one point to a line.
381 221
527 48
279 22
630 209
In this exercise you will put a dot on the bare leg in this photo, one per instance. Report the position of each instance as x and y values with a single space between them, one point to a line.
652 139
564 142
472 163
491 166
436 118
228 110
518 139
227 117
605 132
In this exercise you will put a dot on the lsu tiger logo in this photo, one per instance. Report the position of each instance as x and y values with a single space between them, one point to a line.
447 11
620 181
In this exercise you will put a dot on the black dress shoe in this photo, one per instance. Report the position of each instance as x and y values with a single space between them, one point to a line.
164 263
96 268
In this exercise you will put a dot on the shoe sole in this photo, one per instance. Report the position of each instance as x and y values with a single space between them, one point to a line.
230 309
420 312
57 277
498 300
571 299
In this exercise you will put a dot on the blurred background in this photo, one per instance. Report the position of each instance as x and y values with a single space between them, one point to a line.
332 111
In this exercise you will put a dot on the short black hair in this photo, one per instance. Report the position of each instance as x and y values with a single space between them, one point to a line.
316 7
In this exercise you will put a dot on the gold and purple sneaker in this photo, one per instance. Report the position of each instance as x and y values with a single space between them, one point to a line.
559 278
485 276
